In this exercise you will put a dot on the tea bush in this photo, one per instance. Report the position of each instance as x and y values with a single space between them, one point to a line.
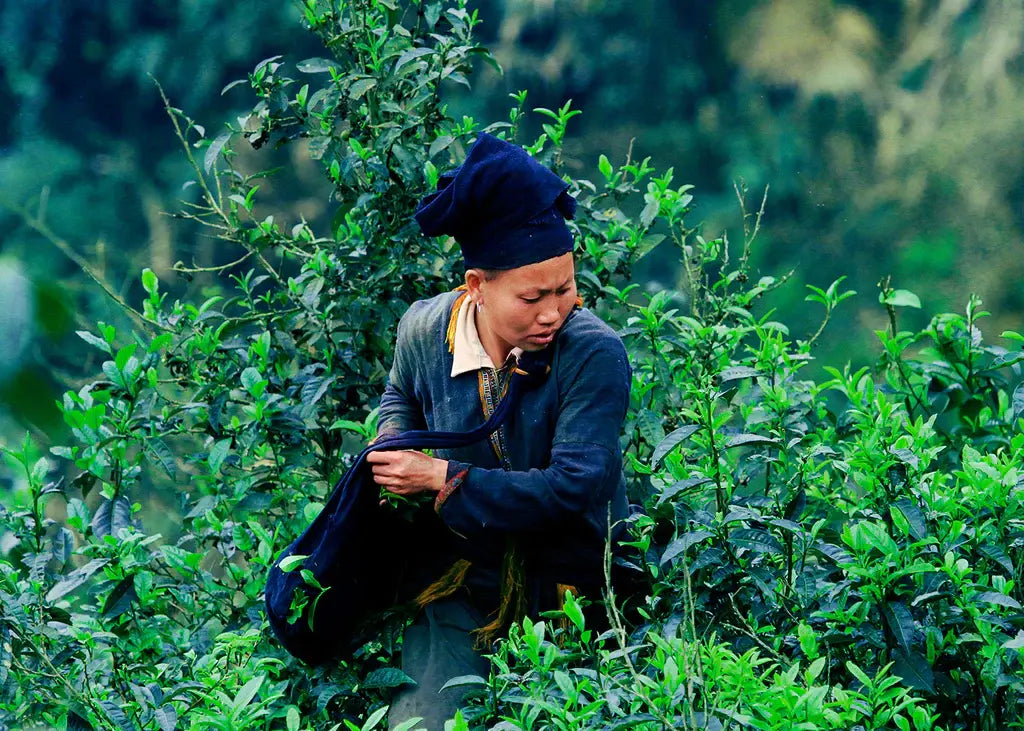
840 551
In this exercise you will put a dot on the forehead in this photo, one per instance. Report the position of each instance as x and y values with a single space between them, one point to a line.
543 275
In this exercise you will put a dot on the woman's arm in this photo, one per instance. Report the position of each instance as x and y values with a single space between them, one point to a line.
400 411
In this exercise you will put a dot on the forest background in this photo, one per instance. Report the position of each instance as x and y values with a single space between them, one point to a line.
888 133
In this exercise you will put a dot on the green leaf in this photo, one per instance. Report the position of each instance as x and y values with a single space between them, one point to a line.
375 718
164 457
735 373
756 540
250 377
650 426
111 516
6 656
124 355
670 442
348 425
649 213
313 390
149 281
316 65
166 717
914 516
795 508
995 553
360 87
120 598
746 440
1018 402
462 680
410 724
247 692
680 544
674 489
914 670
210 159
290 563
411 54
387 678
116 715
218 454
900 298
1017 643
95 341
605 167
859 674
75 579
441 143
647 245
814 670
901 623
997 597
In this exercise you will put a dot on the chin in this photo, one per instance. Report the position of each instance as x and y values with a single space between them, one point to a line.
533 347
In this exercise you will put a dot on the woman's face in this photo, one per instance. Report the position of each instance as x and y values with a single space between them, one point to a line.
525 303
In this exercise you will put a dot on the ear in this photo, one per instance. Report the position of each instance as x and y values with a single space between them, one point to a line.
474 278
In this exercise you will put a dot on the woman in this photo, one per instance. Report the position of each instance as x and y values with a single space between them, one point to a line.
526 513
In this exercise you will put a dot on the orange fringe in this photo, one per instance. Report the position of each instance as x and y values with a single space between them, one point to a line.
513 598
512 589
449 583
453 320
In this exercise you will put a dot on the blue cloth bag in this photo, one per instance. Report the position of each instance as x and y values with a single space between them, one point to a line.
355 548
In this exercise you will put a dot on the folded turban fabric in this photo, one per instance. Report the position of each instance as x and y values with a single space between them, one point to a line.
504 208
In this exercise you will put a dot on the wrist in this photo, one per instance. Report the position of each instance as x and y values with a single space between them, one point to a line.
440 475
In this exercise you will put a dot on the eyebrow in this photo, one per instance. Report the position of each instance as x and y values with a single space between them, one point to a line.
563 285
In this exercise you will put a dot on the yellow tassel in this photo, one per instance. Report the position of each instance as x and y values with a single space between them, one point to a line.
454 319
513 598
449 583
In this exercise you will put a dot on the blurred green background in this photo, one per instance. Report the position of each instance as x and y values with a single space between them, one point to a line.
890 134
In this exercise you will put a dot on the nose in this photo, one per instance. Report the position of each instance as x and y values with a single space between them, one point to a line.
548 317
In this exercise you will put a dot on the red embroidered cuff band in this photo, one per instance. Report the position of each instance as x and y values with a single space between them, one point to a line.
449 487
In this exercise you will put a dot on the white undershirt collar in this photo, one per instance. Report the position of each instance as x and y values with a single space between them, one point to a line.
469 352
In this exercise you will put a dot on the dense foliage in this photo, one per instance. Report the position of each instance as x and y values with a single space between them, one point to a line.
833 553
887 131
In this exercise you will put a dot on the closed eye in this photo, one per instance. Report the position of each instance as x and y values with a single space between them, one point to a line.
537 299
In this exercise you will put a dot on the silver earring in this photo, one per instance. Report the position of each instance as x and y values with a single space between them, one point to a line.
479 305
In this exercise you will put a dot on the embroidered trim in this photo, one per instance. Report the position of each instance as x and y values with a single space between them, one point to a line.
449 487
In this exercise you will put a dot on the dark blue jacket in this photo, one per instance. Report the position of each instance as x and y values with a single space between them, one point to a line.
553 470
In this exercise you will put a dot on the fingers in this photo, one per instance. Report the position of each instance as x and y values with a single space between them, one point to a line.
397 470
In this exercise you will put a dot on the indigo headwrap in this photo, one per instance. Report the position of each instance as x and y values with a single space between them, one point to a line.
504 208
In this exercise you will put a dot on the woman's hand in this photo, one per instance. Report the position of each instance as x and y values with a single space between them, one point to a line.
406 472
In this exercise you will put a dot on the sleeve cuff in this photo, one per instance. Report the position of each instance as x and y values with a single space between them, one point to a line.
457 472
385 433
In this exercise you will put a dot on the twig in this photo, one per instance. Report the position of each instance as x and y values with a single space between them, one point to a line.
615 618
200 270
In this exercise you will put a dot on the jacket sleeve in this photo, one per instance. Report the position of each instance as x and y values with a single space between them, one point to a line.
400 410
585 464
